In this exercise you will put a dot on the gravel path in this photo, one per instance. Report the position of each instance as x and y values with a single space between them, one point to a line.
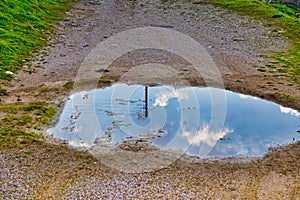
236 43
57 172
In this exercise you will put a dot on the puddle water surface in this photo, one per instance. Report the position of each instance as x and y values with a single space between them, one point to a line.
199 121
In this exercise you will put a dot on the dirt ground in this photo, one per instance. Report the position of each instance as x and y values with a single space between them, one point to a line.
240 48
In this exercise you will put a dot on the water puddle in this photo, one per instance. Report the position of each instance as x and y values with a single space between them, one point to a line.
199 121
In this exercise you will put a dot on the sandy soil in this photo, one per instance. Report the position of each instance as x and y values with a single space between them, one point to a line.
239 46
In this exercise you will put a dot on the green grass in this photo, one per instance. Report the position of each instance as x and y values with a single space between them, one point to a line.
278 16
24 28
18 121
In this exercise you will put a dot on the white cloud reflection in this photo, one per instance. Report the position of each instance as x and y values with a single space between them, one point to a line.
243 96
76 143
163 99
205 135
289 111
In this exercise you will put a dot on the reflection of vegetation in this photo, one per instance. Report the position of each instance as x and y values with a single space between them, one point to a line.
19 118
281 17
24 25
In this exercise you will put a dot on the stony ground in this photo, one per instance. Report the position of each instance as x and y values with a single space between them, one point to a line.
56 172
240 48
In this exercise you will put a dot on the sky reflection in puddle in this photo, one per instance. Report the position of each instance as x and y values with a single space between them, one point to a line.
200 121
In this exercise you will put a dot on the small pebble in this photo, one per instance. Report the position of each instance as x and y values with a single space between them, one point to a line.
9 73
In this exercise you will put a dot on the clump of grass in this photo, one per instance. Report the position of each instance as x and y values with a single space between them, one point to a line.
34 106
282 70
104 80
286 9
69 85
19 118
3 92
10 109
261 70
23 28
288 21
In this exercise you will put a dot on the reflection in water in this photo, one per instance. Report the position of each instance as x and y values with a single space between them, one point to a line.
190 119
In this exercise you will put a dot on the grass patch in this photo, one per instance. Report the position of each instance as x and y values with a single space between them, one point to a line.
19 118
3 92
279 16
69 85
11 137
104 80
24 25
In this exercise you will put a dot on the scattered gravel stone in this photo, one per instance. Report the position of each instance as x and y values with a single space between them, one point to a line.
9 73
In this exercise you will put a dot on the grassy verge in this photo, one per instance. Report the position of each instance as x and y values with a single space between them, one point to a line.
18 120
24 28
279 16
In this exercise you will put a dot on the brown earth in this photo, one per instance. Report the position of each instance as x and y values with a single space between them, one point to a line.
240 47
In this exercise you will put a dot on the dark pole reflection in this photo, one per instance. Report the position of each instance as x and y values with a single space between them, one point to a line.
146 102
